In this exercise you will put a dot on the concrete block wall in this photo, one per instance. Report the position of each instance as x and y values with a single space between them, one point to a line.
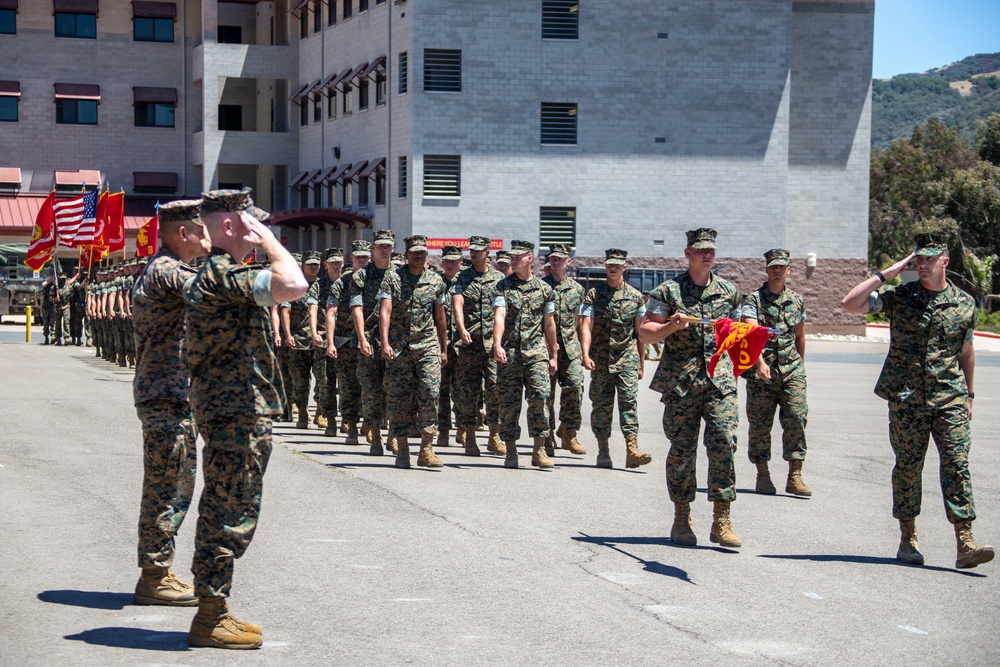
38 59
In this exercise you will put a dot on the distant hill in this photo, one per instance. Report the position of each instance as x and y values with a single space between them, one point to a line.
960 94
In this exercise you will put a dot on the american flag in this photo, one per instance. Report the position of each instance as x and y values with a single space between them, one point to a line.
76 220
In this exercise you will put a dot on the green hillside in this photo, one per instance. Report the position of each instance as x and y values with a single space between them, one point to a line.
906 100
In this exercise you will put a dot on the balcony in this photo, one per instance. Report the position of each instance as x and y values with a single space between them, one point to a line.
243 148
243 61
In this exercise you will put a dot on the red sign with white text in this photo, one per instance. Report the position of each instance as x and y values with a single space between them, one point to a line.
438 244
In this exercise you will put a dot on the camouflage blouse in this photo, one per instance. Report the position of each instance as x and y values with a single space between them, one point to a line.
366 283
526 303
344 329
298 316
161 368
569 296
230 353
783 312
411 326
477 291
613 343
926 333
686 353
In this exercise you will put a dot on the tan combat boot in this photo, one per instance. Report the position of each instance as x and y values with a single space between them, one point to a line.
510 457
764 484
214 627
539 458
570 442
681 532
722 528
319 420
303 411
331 428
428 458
471 448
460 435
633 457
909 550
402 452
390 444
603 454
795 485
375 437
970 554
494 445
353 437
550 444
159 585
443 440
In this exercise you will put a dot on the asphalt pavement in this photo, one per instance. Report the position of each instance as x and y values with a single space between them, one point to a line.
358 563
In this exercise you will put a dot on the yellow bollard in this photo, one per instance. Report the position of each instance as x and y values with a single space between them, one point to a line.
27 324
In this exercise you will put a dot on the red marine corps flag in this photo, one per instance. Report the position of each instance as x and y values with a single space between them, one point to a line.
744 343
146 240
43 241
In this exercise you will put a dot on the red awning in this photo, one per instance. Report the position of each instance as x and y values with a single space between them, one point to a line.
313 87
311 179
297 95
154 10
325 176
354 73
78 176
17 214
77 91
10 175
298 179
375 64
298 5
329 81
8 4
154 179
320 217
10 89
372 166
75 6
339 79
154 95
338 173
353 173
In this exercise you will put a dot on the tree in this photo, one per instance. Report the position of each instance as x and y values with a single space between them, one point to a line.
988 139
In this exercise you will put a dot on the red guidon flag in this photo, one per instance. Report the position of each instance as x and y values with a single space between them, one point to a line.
145 241
43 241
115 222
744 343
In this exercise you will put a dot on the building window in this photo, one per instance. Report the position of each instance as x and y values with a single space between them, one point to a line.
348 106
331 15
303 113
230 34
318 196
363 193
318 17
8 109
403 65
557 224
380 84
362 6
8 21
304 23
348 7
150 114
558 124
331 105
146 29
442 71
82 26
379 2
442 176
331 193
560 19
380 188
348 194
318 109
230 118
363 94
76 112
402 177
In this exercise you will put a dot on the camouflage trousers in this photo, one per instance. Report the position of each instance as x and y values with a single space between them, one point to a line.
516 382
570 379
788 396
282 355
476 383
603 386
47 320
412 387
76 322
682 417
170 461
910 428
329 406
449 376
371 374
347 383
234 460
303 364
60 322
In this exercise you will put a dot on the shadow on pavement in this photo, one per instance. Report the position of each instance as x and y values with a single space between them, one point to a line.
89 599
652 566
149 640
866 560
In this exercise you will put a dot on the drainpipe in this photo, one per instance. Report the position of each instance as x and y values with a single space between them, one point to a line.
388 108
184 134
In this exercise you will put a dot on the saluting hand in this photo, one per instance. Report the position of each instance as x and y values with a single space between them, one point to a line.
898 267
257 234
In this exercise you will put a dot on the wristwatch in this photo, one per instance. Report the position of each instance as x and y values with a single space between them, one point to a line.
972 395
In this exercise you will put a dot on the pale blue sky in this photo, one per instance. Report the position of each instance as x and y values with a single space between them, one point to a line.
918 35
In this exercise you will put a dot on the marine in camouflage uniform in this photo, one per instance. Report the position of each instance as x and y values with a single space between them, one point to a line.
927 380
128 338
333 262
365 287
569 296
779 378
307 352
160 391
524 345
451 263
342 342
414 344
689 395
46 310
235 391
476 368
611 313
77 311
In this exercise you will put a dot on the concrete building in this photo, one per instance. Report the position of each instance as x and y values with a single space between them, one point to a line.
592 122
